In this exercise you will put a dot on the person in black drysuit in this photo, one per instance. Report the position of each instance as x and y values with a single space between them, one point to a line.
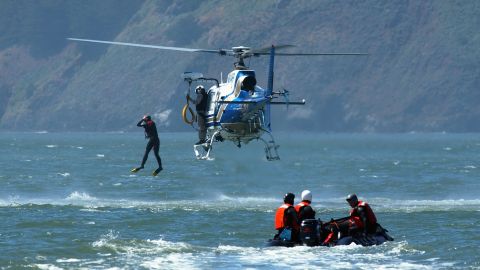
286 218
201 102
304 208
153 142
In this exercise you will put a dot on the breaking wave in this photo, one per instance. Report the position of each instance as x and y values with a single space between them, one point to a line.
224 203
163 254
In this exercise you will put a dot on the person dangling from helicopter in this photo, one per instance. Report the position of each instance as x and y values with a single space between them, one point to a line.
201 102
153 142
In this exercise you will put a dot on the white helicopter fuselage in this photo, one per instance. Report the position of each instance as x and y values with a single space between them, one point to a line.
236 108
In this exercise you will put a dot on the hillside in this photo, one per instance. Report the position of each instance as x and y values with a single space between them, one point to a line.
422 72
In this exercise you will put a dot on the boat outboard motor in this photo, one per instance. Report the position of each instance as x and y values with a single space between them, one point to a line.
310 232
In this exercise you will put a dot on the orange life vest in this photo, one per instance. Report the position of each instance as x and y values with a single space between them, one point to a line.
280 216
302 204
371 218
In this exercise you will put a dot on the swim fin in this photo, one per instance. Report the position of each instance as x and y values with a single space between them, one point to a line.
157 171
134 170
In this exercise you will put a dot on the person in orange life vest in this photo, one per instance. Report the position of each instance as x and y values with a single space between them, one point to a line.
153 142
361 220
304 210
286 217
361 215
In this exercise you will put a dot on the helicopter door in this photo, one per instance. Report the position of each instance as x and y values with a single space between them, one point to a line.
213 97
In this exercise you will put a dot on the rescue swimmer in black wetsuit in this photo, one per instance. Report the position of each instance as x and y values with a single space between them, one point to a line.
153 142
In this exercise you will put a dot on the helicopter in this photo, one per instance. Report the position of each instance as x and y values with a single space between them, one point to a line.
238 110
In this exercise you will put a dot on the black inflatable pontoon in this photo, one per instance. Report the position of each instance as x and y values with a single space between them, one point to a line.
313 233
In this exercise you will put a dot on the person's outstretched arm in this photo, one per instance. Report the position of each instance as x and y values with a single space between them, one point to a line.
139 124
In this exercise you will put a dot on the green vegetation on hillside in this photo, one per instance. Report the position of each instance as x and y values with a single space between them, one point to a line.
421 74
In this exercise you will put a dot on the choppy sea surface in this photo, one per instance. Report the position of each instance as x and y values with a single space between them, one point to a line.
69 201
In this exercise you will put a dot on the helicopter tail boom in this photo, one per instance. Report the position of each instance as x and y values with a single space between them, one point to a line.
269 87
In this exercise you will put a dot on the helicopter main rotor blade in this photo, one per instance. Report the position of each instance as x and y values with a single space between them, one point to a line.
220 51
266 50
249 53
258 102
312 54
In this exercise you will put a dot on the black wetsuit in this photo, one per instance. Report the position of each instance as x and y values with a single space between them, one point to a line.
305 212
153 141
291 221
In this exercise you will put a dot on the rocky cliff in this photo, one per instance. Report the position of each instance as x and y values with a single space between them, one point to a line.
422 72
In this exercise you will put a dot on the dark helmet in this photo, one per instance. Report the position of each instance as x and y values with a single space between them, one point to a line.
200 89
147 117
289 198
352 198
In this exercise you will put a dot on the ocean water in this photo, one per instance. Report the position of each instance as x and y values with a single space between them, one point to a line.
69 201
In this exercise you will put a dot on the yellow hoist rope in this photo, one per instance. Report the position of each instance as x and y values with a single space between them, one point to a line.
184 114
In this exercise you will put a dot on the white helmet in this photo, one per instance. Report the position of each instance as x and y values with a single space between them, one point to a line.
306 195
200 89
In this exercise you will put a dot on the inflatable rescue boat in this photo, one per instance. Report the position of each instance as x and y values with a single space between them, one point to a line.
315 233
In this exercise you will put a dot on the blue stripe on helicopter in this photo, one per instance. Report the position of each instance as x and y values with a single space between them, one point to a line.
235 112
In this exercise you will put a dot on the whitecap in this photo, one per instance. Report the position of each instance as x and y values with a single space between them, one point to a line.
100 155
79 196
174 261
302 257
246 200
105 239
71 260
64 174
93 209
413 206
51 145
47 267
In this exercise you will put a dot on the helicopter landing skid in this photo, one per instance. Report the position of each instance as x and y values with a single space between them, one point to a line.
202 151
271 148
